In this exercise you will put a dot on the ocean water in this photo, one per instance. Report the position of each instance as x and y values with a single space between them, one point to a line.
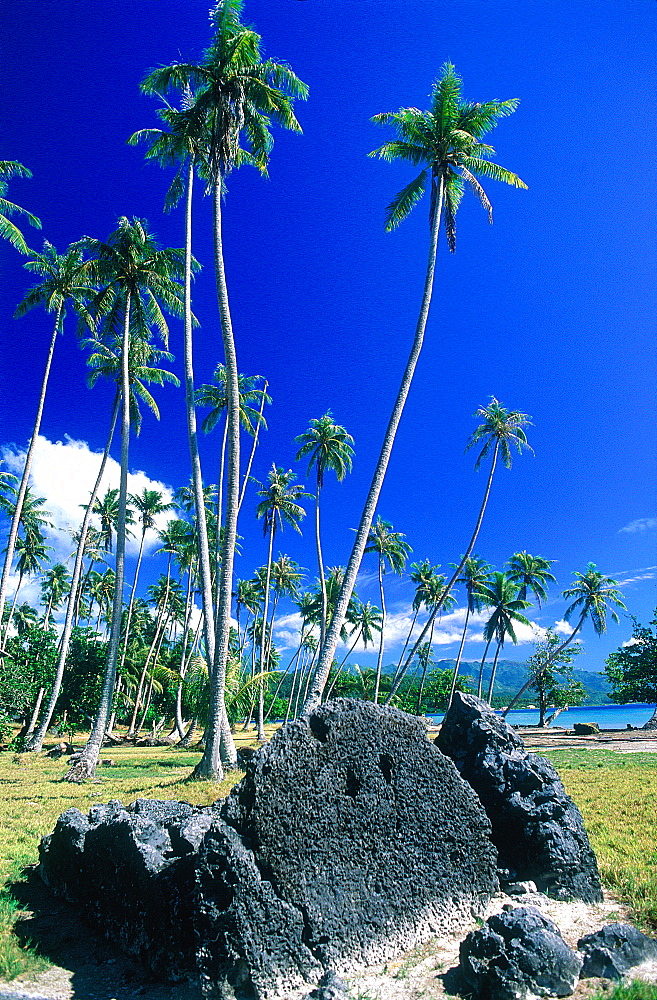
606 716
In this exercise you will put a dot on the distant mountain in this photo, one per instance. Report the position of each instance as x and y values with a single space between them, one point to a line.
511 675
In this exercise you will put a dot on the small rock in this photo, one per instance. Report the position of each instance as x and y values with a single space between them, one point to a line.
586 728
519 888
519 955
59 750
330 987
612 951
108 763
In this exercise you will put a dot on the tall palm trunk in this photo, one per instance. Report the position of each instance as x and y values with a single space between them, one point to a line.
254 445
379 662
458 657
333 632
22 489
205 574
263 638
480 682
408 639
210 764
320 564
548 663
36 743
132 599
457 572
85 766
341 667
13 605
491 683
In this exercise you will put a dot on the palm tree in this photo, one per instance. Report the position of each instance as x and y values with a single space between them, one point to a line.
54 588
447 140
237 94
501 594
365 619
149 505
134 275
530 573
216 397
475 575
595 596
500 431
277 508
392 551
327 446
424 576
32 553
8 231
64 282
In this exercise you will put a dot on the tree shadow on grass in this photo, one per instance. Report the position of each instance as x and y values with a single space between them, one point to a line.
85 966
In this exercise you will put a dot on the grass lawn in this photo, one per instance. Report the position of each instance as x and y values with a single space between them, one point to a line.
615 793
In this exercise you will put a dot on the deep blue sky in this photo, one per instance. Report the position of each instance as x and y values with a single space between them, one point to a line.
551 309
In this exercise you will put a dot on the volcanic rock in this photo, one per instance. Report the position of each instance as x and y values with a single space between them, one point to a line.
519 955
614 950
536 827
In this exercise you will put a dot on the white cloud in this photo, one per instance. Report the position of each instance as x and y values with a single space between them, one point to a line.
64 473
563 627
640 524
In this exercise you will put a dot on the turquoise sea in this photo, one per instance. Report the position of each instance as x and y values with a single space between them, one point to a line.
607 716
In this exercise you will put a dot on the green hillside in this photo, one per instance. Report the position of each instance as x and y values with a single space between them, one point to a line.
511 675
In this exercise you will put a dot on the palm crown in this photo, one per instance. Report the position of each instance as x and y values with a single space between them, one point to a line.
595 595
501 429
327 445
447 139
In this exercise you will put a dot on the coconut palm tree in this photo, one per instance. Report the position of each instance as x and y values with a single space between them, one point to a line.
475 574
238 94
54 588
327 446
365 619
446 141
277 508
501 594
392 552
215 396
148 505
8 231
595 596
64 284
501 430
530 573
134 276
32 553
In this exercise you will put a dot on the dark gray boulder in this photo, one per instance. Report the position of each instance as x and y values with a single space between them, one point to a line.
614 950
350 839
518 955
131 871
537 828
586 728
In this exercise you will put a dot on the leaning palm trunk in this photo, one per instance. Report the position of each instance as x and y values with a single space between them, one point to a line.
22 489
254 445
210 764
457 572
491 683
85 766
320 565
458 658
333 633
35 714
36 743
480 682
379 661
263 640
548 663
132 599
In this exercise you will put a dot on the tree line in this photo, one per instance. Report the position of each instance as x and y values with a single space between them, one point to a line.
122 289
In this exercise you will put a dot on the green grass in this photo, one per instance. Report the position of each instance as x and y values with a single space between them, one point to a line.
616 795
32 796
633 991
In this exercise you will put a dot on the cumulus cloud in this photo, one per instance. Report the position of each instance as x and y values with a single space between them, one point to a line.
563 627
64 473
639 524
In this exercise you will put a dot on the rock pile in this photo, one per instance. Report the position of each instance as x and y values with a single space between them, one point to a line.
537 828
350 840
